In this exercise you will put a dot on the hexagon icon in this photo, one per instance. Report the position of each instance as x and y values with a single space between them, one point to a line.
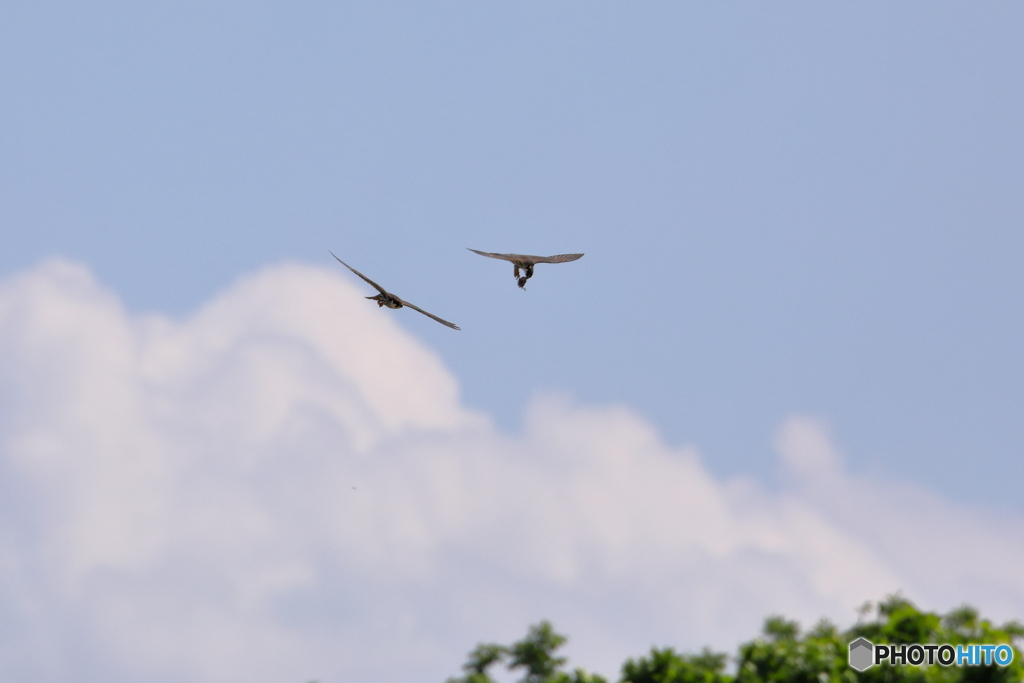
861 654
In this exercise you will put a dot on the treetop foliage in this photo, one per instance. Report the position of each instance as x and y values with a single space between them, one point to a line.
781 654
534 654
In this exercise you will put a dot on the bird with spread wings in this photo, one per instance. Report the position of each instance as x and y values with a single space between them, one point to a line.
526 263
390 300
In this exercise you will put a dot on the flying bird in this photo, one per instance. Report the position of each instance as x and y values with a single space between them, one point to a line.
526 263
388 299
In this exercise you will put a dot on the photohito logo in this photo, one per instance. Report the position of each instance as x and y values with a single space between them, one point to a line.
865 654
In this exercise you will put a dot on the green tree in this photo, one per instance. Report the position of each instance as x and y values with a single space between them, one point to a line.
481 658
782 654
579 676
535 654
899 621
667 666
963 625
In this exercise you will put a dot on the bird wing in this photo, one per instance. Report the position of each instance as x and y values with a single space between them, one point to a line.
503 257
530 260
375 285
560 258
430 315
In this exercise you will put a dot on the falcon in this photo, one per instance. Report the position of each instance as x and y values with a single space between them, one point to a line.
526 263
388 299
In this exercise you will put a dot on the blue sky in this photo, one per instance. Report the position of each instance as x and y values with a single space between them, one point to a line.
786 210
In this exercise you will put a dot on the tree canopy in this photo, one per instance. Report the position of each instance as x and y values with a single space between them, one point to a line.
782 653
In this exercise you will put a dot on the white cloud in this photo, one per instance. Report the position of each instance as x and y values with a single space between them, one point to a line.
286 487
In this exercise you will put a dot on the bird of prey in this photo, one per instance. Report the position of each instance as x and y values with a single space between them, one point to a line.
526 263
388 299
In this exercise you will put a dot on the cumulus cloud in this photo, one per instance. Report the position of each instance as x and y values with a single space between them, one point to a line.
285 486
